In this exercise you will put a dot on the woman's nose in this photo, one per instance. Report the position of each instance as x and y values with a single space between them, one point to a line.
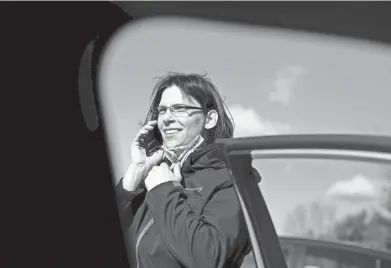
168 116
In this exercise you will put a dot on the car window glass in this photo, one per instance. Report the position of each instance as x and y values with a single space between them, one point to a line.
337 202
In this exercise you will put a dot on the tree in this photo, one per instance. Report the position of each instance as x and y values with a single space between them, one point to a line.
370 229
386 174
387 206
351 228
313 220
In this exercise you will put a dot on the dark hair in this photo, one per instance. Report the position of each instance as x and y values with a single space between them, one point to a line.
202 90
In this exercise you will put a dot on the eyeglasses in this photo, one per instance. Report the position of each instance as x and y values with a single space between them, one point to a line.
179 110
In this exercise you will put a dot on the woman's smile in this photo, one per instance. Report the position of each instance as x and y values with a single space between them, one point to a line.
171 131
172 134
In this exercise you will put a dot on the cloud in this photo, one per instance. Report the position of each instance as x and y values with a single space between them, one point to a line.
249 123
357 187
286 78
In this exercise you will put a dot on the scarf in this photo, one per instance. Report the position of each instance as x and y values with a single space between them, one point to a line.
179 154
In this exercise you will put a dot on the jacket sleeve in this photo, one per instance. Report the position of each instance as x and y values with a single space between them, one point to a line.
128 203
214 239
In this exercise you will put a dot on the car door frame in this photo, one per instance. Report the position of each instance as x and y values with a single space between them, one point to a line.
239 153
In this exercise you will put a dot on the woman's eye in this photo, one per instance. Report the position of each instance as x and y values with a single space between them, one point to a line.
161 110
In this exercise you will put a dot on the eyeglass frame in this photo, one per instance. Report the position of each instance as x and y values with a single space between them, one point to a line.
156 112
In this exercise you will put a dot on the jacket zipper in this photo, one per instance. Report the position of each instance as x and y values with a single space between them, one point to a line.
149 224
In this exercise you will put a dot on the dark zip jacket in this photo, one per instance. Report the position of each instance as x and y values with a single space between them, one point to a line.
198 223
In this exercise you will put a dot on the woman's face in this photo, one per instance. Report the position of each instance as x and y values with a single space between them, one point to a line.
179 131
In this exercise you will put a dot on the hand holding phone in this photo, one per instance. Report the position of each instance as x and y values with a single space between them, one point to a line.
145 155
145 146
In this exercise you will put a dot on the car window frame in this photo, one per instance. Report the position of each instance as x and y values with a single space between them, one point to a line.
240 152
294 18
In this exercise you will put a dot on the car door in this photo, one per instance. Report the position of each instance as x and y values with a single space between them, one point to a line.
241 152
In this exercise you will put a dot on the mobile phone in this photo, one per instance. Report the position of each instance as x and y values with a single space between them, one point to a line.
153 141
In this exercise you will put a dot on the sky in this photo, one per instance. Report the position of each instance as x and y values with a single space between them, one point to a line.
274 82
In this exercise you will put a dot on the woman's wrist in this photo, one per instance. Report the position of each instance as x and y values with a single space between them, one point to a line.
134 176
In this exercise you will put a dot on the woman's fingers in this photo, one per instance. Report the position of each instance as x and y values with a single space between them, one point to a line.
149 127
177 172
151 124
145 130
137 138
156 157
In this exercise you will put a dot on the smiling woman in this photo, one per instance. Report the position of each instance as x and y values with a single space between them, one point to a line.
178 205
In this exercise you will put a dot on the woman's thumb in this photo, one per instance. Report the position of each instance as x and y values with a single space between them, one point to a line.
157 156
177 172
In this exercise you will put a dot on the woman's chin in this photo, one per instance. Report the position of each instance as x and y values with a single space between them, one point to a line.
172 144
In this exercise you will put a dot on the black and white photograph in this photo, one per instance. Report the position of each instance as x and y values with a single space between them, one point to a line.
197 134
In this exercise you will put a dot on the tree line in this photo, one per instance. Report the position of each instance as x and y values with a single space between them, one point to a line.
370 228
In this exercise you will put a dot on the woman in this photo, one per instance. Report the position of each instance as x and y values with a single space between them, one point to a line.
178 206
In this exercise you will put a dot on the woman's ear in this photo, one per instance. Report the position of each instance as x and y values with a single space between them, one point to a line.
211 119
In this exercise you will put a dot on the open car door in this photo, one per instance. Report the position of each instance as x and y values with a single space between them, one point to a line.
240 152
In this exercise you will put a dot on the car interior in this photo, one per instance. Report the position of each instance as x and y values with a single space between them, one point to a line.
308 88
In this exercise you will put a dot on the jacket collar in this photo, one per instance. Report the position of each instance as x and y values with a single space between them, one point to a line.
207 156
